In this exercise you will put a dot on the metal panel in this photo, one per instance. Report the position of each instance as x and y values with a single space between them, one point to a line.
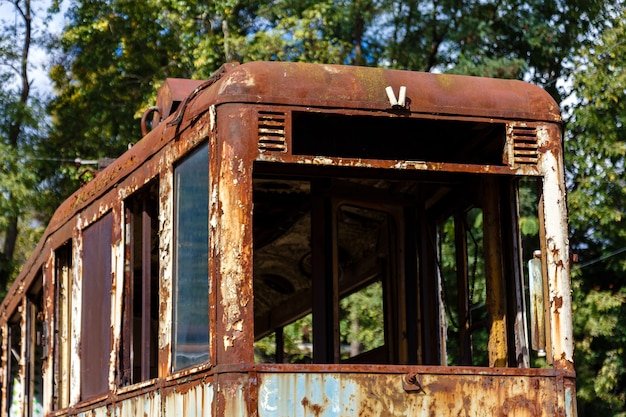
365 88
148 404
332 394
96 412
195 401
96 312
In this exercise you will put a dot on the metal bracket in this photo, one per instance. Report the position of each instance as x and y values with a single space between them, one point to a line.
411 382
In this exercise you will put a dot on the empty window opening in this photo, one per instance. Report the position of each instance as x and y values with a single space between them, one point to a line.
398 138
422 269
141 287
364 256
463 288
292 343
357 242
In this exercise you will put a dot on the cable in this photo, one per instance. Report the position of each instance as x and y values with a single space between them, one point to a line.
600 259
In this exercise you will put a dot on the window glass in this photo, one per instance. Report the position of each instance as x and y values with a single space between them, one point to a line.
191 293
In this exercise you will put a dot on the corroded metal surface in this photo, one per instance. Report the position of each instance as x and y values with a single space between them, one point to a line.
361 87
324 394
225 112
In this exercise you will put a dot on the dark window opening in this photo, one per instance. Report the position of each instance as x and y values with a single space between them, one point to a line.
139 347
398 138
190 344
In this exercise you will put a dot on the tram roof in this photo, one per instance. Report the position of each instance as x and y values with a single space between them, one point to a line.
338 86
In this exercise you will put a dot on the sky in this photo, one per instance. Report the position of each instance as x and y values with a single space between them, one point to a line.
38 72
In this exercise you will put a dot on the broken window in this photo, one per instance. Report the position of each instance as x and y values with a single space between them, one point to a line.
139 344
190 342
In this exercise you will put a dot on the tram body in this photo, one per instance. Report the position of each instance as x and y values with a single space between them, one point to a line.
308 240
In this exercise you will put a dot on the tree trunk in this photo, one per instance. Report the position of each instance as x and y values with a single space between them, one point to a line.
11 234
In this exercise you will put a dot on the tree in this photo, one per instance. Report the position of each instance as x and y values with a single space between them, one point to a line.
596 151
110 60
20 129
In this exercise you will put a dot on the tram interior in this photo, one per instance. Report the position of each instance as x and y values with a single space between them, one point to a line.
361 266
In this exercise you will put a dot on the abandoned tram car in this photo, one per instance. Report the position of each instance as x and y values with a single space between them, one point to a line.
299 240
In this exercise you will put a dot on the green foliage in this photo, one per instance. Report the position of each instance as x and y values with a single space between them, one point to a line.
595 152
361 321
113 55
22 122
297 343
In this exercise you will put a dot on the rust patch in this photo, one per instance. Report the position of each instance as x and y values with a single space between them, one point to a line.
558 303
316 409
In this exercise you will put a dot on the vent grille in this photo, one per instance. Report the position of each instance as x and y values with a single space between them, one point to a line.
272 132
525 148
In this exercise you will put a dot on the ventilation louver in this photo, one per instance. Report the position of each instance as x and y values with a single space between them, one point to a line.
525 148
272 131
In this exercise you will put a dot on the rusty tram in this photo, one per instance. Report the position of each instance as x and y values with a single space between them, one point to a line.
308 240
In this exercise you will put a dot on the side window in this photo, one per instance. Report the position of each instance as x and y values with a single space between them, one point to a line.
62 324
34 350
141 287
95 342
15 392
190 341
